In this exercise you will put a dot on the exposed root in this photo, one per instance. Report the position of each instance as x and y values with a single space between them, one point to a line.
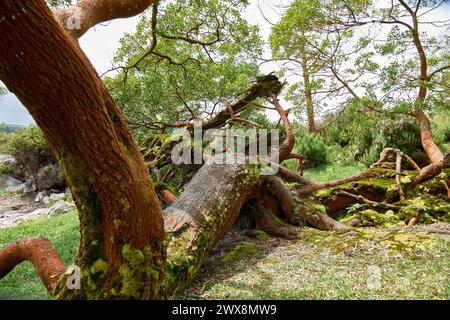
274 227
389 153
360 198
284 196
317 219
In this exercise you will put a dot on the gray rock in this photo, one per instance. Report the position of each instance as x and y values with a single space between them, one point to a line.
9 184
54 197
30 186
50 177
60 207
42 195
7 159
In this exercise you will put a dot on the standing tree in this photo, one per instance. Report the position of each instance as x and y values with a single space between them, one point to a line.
391 80
122 252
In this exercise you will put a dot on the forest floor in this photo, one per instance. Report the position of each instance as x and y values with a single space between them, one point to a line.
404 263
15 208
370 263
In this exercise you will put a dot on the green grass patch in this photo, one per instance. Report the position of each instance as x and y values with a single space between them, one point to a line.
332 171
63 232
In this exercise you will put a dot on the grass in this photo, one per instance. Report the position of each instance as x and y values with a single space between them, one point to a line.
332 171
308 270
63 232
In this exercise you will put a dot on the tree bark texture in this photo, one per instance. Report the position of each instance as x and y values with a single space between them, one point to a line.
121 252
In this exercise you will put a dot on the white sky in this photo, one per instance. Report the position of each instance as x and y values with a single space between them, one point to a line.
101 42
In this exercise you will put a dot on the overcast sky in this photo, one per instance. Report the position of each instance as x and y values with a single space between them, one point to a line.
101 42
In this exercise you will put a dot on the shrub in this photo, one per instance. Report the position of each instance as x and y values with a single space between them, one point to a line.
7 168
401 133
312 147
30 149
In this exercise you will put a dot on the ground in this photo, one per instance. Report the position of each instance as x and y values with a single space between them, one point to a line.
15 208
401 263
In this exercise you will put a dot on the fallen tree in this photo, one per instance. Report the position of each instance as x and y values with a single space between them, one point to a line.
124 232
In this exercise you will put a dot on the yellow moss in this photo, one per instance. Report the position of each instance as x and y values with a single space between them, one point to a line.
132 256
99 266
351 240
240 251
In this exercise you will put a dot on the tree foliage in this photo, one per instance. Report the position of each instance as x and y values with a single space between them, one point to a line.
184 61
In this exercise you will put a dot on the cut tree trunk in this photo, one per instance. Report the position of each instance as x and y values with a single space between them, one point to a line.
122 234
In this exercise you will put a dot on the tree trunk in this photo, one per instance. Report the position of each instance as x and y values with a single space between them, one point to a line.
434 153
203 215
121 254
308 92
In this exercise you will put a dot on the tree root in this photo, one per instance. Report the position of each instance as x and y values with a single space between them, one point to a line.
360 198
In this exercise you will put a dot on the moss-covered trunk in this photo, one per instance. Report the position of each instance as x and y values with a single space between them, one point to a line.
122 253
203 215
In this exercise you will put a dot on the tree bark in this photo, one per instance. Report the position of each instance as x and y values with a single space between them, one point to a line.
308 91
203 215
121 253
92 12
40 253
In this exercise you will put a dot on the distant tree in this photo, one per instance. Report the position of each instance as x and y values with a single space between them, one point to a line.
398 72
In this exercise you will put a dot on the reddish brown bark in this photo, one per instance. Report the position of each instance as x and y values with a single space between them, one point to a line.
40 253
434 153
118 207
167 195
93 12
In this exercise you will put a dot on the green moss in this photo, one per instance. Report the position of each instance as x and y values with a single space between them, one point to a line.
241 250
271 260
358 241
7 168
132 256
429 209
261 235
369 217
99 266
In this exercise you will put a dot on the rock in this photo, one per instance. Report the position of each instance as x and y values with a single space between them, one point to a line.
7 160
60 207
30 186
50 177
54 197
38 213
9 184
42 195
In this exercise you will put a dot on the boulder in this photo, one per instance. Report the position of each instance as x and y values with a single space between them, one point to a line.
9 184
42 195
7 160
54 197
50 177
60 207
30 185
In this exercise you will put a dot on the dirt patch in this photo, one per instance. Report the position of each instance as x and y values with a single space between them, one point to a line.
17 208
